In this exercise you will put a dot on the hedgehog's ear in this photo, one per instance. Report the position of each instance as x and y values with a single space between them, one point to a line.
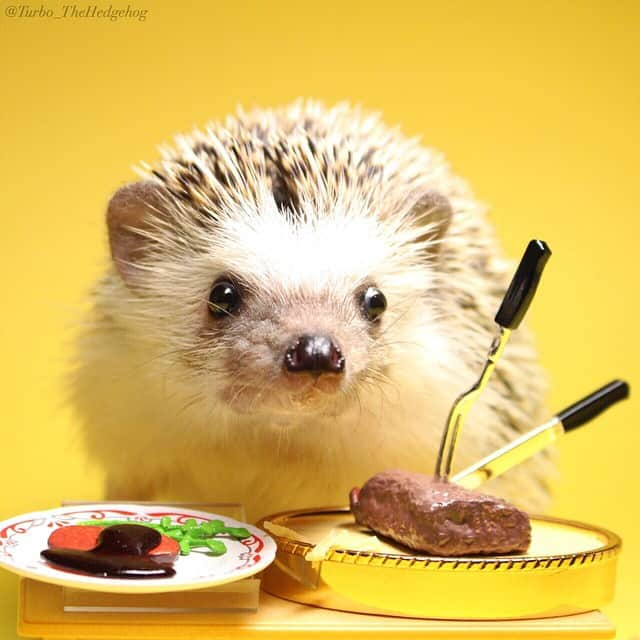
129 213
434 210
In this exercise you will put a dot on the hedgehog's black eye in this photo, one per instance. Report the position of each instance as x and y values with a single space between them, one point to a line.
373 303
223 299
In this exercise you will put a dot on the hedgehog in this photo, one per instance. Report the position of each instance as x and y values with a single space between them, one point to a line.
293 301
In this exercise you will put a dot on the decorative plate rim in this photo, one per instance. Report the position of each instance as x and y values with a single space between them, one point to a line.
395 560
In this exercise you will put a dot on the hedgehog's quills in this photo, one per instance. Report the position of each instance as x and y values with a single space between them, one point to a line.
296 297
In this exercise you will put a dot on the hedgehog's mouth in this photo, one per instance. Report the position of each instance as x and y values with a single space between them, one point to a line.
308 400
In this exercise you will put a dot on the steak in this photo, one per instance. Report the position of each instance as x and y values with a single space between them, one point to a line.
439 518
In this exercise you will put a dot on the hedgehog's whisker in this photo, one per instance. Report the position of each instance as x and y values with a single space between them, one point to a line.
375 382
353 391
242 388
197 397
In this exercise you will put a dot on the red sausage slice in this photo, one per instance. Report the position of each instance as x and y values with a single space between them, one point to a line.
85 537
78 537
168 546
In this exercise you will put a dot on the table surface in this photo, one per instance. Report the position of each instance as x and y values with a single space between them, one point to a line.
41 614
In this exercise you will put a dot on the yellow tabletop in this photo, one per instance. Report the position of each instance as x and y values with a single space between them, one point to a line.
41 615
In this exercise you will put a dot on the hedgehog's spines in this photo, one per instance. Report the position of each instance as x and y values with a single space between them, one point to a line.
308 163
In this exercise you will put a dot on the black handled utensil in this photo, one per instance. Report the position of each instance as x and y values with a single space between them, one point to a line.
523 285
513 308
529 443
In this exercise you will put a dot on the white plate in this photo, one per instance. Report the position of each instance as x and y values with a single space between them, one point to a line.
23 538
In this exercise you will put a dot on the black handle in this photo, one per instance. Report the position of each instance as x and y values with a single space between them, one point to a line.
523 286
593 405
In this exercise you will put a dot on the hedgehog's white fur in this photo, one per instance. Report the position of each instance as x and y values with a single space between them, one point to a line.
150 373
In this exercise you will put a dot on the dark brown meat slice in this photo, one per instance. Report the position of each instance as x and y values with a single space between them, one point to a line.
439 518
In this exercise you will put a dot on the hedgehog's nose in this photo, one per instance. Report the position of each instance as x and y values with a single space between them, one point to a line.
315 354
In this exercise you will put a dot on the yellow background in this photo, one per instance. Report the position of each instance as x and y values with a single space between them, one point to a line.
536 104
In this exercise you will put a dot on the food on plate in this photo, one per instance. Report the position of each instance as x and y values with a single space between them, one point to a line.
190 534
128 549
122 551
85 538
439 518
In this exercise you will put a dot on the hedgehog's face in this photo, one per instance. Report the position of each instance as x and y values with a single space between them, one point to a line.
292 351
294 314
272 313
